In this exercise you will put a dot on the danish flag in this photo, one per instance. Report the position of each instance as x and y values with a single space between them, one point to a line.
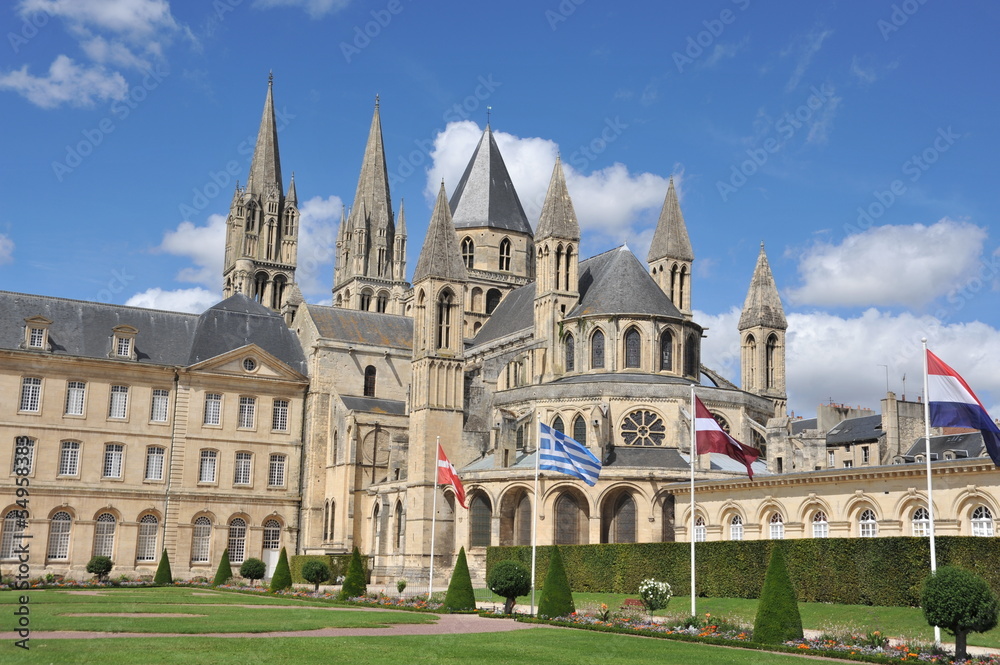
447 475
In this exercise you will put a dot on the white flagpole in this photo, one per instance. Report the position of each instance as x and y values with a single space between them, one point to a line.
930 495
534 517
434 503
694 452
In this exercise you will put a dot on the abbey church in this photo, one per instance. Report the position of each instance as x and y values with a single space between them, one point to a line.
268 422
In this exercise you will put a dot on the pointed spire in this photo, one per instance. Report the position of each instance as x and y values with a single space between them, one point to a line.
265 169
372 206
485 195
558 218
763 304
401 221
440 256
670 240
292 197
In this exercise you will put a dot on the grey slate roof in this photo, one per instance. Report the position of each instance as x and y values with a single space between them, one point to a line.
440 256
763 304
799 426
646 457
514 313
851 430
265 168
615 282
971 443
348 325
485 195
374 405
670 240
84 329
557 219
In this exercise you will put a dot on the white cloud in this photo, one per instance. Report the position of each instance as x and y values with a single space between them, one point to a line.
204 245
66 83
803 49
116 53
315 8
6 249
865 74
891 265
318 221
724 52
195 300
136 20
821 126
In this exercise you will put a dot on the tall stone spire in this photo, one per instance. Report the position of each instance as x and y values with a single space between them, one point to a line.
670 254
763 304
265 168
557 219
762 337
440 256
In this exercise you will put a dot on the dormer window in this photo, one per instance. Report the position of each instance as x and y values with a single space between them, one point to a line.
36 332
123 344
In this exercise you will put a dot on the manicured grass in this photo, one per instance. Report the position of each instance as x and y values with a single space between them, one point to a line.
540 645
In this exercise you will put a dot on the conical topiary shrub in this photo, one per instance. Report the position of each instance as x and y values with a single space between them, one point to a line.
460 596
354 581
557 597
282 578
225 571
163 575
778 618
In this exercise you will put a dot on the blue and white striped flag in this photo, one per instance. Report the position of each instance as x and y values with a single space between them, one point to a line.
559 452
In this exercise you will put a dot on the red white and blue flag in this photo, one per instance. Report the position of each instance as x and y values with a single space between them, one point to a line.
953 404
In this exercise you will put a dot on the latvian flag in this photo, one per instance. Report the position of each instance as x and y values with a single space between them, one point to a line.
953 404
447 475
711 439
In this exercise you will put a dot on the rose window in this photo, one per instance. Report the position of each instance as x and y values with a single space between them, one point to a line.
643 428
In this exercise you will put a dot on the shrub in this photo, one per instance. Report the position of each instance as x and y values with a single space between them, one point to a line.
282 578
163 574
654 595
315 572
509 579
778 618
100 566
225 571
961 602
354 582
557 598
401 585
253 570
460 595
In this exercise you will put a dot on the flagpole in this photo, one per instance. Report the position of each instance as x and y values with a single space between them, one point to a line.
694 449
434 502
927 455
534 518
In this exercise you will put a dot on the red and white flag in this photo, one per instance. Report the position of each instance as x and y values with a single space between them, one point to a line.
712 439
447 475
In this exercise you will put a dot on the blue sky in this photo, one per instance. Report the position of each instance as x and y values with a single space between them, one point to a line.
856 139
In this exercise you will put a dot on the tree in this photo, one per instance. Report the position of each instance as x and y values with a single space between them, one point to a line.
961 602
460 596
316 572
778 618
282 578
225 571
354 581
163 574
253 570
557 597
509 579
100 566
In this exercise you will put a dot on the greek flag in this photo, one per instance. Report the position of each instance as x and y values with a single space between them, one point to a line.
559 452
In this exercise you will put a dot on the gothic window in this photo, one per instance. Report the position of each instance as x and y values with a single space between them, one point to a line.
982 522
723 423
867 526
770 353
673 287
522 521
580 430
558 267
398 526
777 527
569 347
380 262
260 283
332 520
277 292
633 348
667 534
597 350
558 425
821 526
493 297
643 428
505 255
618 523
749 361
921 524
666 351
476 300
691 357
370 381
567 264
468 253
366 300
289 224
445 306
479 522
736 528
681 287
567 520
382 302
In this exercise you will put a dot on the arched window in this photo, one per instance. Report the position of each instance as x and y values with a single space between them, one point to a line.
376 529
505 255
145 546
468 252
382 302
667 533
982 522
777 527
476 300
580 430
237 540
666 351
10 538
519 438
569 348
59 536
493 297
272 535
770 354
558 267
260 283
821 527
619 520
921 524
749 362
398 526
480 515
558 425
201 540
566 265
332 520
370 381
736 528
867 526
597 350
633 348
522 521
104 535
700 530
567 520
366 300
445 306
691 357
278 292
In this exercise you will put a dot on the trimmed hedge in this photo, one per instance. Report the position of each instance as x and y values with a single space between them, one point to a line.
337 563
854 571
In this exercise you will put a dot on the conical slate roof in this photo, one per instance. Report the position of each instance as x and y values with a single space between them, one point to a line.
670 240
265 168
763 304
440 256
485 195
372 205
558 219
615 282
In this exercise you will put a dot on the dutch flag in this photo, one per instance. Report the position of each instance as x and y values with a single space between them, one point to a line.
953 404
558 452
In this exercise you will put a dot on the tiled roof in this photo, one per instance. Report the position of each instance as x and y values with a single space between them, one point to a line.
348 325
